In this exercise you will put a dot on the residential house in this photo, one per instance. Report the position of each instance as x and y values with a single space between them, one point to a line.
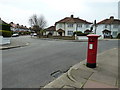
19 28
108 28
4 25
2 22
51 31
69 25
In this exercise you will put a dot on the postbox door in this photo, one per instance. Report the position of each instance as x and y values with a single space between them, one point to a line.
92 50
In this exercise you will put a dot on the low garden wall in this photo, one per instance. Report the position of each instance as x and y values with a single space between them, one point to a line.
60 37
64 37
4 40
86 38
82 38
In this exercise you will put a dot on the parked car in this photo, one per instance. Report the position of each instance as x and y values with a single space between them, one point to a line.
33 34
15 35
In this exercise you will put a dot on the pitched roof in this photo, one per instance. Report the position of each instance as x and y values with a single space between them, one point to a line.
3 22
18 26
73 20
51 28
60 30
13 25
87 30
106 30
111 20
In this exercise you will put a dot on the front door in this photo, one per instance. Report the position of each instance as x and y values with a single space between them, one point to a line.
60 33
107 34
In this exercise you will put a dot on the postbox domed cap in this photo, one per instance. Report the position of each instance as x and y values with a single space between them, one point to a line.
93 35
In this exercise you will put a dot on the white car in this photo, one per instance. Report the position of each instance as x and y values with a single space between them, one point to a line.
33 34
15 35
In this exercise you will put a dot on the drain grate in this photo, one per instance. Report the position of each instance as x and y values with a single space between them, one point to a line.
56 74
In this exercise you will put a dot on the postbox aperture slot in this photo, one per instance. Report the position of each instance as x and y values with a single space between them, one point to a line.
91 40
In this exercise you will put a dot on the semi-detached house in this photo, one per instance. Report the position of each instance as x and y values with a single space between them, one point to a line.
68 25
108 27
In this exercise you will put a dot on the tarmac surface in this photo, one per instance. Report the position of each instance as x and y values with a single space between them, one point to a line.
80 76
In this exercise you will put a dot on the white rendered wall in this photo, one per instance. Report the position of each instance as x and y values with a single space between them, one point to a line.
74 28
111 28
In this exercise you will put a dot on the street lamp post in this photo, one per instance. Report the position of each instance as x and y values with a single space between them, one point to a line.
76 32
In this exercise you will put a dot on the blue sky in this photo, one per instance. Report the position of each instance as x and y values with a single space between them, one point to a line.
19 11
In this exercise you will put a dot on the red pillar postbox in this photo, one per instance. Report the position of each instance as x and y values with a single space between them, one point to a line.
92 50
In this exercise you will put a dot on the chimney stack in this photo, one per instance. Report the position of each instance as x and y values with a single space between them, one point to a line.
72 16
112 17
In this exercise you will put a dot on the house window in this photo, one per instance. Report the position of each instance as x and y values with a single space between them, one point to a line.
115 26
87 25
60 25
70 32
115 33
79 25
106 26
70 25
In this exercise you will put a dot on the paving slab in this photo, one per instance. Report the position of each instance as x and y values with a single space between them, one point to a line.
94 84
108 68
80 75
62 81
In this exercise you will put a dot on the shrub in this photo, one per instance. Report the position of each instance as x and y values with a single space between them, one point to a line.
118 36
5 33
79 33
5 27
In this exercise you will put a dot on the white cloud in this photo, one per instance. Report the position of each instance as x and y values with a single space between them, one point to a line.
66 5
13 14
53 10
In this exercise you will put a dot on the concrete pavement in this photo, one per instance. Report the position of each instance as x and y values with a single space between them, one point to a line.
105 75
14 44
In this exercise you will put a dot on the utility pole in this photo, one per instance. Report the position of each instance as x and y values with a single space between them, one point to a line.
76 31
95 25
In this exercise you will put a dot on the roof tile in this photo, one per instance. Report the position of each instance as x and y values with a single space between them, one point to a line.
109 21
73 20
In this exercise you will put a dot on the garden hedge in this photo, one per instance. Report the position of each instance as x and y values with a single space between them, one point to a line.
5 27
79 33
118 36
5 33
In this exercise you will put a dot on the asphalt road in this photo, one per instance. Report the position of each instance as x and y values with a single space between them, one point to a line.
31 66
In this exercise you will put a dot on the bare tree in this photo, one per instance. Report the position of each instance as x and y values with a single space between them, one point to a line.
37 23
